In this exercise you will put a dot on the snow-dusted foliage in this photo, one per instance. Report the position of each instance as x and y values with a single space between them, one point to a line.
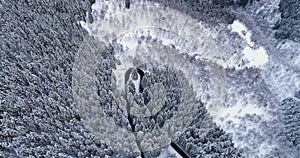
37 115
130 121
291 122
131 78
288 26
227 68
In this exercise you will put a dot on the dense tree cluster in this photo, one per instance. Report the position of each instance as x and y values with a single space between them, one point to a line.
242 3
37 116
288 26
167 78
255 87
291 121
105 88
203 138
204 10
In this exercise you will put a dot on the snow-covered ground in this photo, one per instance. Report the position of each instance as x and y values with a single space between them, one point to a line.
169 151
149 32
257 56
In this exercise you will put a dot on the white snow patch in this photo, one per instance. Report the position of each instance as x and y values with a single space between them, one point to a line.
167 152
256 57
221 115
242 30
136 83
